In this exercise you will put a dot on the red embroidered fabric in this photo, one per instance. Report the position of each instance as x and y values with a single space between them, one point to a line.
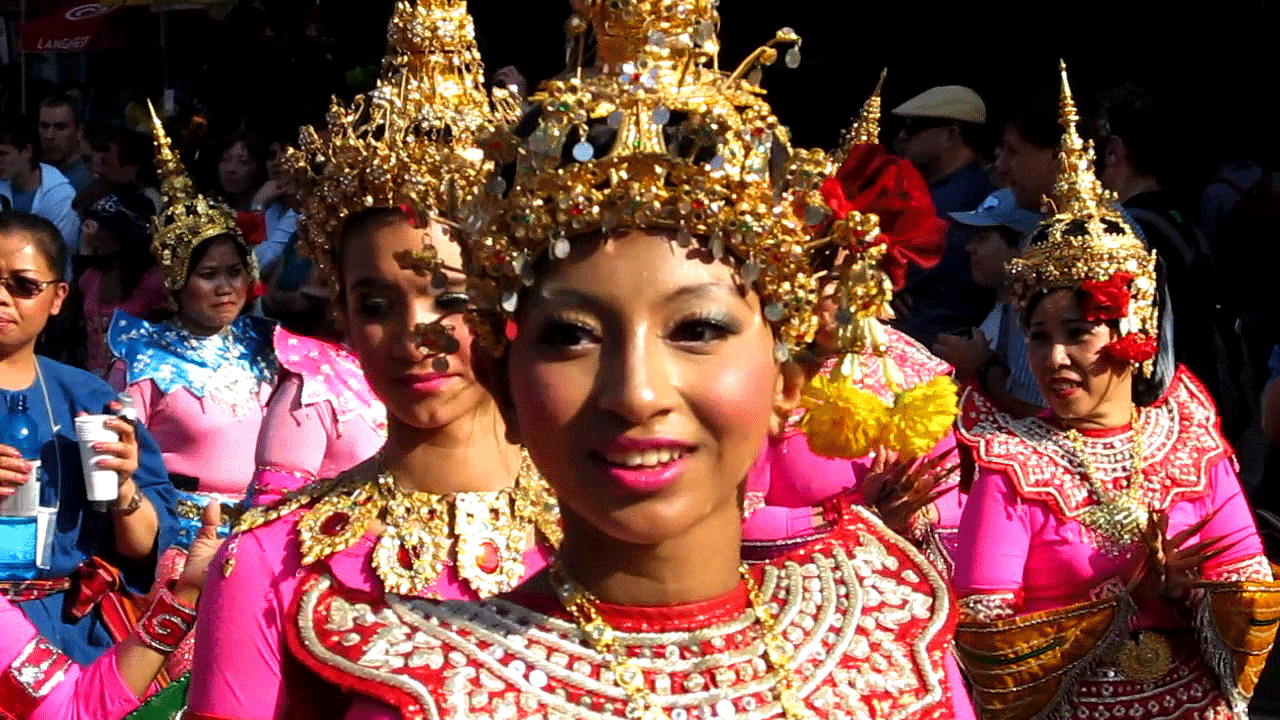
31 676
869 620
1182 441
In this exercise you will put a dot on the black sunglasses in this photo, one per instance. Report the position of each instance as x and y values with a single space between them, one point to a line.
23 287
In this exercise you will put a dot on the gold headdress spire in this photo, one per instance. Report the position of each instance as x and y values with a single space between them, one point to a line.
186 218
411 141
1088 244
865 129
654 135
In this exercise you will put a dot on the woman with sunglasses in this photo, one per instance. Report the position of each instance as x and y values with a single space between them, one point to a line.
645 328
1109 565
200 381
39 682
449 508
69 566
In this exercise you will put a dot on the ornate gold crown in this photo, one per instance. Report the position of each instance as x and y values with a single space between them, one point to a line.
1088 241
654 135
411 141
186 217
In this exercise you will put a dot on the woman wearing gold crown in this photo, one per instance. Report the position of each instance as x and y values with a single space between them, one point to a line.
448 509
200 382
1109 565
897 384
647 288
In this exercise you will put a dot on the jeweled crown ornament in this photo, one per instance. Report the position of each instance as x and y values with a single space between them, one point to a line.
865 128
186 218
654 135
409 143
1089 245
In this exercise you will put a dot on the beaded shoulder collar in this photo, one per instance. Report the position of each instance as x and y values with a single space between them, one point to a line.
1181 442
229 368
867 619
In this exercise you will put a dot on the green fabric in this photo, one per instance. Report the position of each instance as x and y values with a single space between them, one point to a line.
166 704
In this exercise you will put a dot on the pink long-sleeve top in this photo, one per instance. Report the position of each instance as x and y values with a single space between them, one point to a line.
149 296
242 668
1024 544
789 482
37 682
322 420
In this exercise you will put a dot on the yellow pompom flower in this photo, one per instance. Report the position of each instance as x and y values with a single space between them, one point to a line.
842 421
921 416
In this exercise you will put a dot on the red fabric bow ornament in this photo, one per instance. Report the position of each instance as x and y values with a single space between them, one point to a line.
1131 349
1106 299
874 181
253 227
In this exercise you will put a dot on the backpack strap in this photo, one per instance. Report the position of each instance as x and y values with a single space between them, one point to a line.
1162 224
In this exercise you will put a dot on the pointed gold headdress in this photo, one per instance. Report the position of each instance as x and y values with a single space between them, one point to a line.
864 129
1089 245
654 135
411 141
186 218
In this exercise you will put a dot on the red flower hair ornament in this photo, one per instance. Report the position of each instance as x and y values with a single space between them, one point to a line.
1105 300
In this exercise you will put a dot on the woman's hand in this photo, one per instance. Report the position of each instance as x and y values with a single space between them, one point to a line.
123 454
14 471
1169 570
200 555
898 488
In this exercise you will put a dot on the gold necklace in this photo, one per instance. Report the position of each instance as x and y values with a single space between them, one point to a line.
483 535
641 703
1120 517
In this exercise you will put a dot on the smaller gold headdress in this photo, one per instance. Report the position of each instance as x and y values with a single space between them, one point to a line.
410 142
186 218
1089 245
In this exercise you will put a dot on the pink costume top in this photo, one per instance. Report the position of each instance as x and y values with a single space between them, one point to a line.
870 618
37 682
149 296
789 482
1027 543
248 673
202 398
322 420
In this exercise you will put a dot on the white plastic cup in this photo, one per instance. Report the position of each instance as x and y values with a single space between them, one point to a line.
101 486
25 499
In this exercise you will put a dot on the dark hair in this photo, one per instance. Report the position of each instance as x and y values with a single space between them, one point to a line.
1011 237
67 101
134 150
975 137
253 144
1147 388
44 235
1129 113
360 223
1036 118
20 133
199 251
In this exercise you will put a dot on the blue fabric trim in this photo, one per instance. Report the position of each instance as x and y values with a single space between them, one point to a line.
173 358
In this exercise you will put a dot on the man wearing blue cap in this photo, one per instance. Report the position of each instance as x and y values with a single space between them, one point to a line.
994 355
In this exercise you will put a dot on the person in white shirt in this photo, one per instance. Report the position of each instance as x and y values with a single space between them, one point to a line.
28 185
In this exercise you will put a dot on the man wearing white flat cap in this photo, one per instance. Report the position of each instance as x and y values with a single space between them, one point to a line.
939 132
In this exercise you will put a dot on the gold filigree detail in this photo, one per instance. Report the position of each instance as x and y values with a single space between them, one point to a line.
411 141
654 135
482 535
